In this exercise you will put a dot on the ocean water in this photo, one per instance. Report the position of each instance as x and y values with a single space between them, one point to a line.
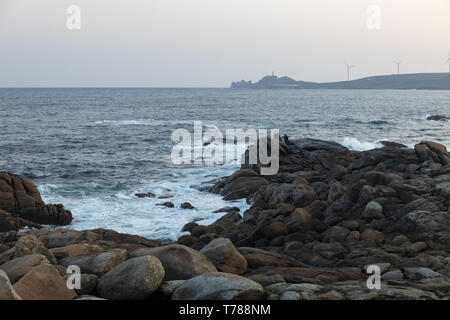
93 149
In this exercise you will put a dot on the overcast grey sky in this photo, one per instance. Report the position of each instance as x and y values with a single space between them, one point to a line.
209 43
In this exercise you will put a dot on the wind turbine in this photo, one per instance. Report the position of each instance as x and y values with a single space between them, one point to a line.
348 71
398 67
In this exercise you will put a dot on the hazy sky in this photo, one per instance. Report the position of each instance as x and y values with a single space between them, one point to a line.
209 43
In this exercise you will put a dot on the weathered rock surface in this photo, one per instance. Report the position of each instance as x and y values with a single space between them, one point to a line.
88 283
242 184
145 195
428 150
10 222
7 255
167 204
134 279
179 262
312 275
218 286
19 196
26 244
18 267
225 256
421 273
76 250
373 210
393 275
98 264
43 283
187 205
7 291
167 288
303 291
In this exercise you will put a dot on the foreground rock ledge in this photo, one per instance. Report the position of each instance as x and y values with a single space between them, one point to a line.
219 286
135 279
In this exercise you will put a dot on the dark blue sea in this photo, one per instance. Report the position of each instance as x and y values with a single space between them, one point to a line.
93 149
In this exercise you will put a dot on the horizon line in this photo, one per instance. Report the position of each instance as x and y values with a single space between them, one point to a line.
112 87
212 87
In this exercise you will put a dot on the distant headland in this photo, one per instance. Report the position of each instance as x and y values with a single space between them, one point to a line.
416 81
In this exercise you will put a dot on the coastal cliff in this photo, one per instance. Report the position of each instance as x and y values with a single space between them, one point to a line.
418 81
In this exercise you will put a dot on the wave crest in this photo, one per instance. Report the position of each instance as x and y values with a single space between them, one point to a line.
354 144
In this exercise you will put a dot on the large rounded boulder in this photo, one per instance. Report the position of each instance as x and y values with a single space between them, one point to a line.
179 262
44 283
97 264
134 279
225 256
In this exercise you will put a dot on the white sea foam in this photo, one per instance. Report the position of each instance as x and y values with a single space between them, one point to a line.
235 159
355 144
47 188
151 122
124 212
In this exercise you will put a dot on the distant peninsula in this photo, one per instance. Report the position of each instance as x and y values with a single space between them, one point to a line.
416 81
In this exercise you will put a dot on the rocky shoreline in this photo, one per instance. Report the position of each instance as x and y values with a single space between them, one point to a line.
311 232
